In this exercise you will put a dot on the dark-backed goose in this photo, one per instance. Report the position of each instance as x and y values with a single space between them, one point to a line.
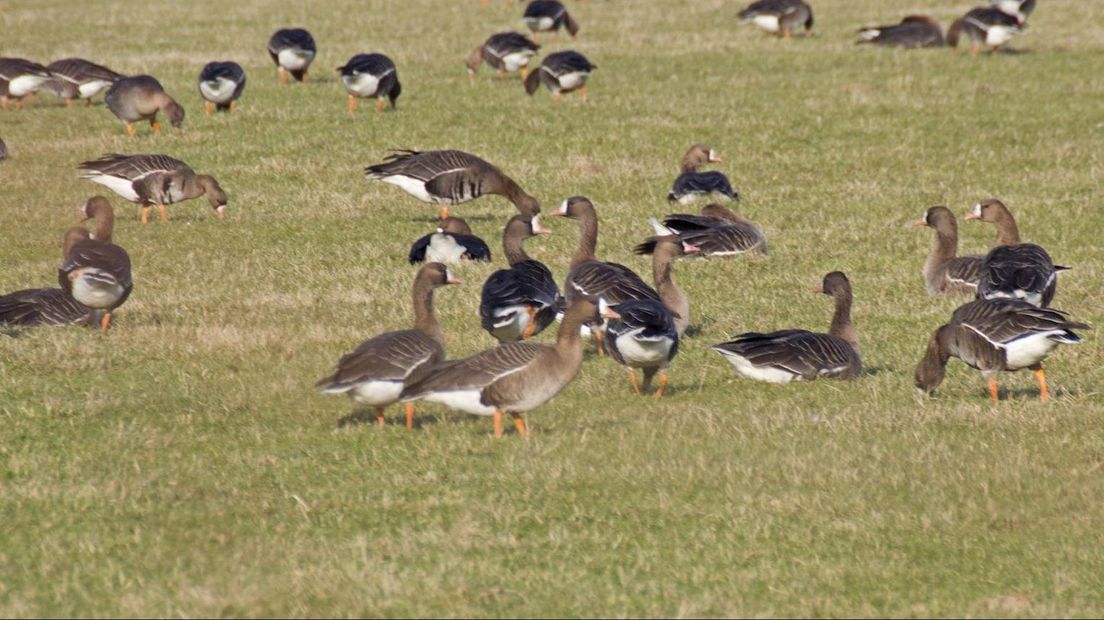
371 75
644 336
376 372
293 50
452 242
512 378
20 78
664 250
549 16
781 17
153 179
77 78
95 271
913 31
718 231
519 302
795 354
449 178
987 26
692 185
505 52
1012 269
221 84
562 72
140 98
944 272
994 336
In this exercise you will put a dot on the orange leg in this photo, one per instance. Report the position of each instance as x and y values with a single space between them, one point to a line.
519 424
532 326
380 104
662 384
130 130
105 323
409 416
444 212
380 419
163 212
994 391
155 126
145 214
497 424
352 104
1040 376
632 380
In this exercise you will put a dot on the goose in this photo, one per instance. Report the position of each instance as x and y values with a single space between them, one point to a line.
221 85
665 248
140 98
988 26
45 306
452 242
944 272
995 335
371 75
797 355
77 78
914 31
515 377
95 271
1020 9
644 336
293 50
153 179
376 372
780 17
20 78
718 231
520 302
549 16
1013 269
449 178
505 52
562 72
692 185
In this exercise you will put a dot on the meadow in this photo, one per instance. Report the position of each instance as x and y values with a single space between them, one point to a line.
184 465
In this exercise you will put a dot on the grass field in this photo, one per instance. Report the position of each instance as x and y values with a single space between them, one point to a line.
183 464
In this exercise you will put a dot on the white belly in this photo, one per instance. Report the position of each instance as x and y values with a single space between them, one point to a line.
517 60
461 400
414 187
444 249
643 353
361 84
220 90
122 187
96 289
573 80
93 88
766 22
294 60
25 85
759 373
376 393
998 35
1029 351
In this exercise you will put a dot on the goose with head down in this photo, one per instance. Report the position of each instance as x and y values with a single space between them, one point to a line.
506 52
95 271
520 302
451 243
691 184
153 179
944 271
1013 269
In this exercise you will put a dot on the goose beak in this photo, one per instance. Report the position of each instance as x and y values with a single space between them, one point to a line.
919 223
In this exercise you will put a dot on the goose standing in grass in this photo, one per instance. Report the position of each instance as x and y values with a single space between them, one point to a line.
549 16
781 17
914 31
987 25
1013 269
718 231
293 50
644 336
48 306
994 336
449 178
140 98
452 242
77 78
944 271
798 355
376 372
221 85
371 75
20 78
562 72
520 302
95 271
692 185
665 249
512 378
153 179
506 52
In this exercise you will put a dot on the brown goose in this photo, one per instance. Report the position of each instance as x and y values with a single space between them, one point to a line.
718 231
1012 269
994 336
664 250
519 302
799 355
376 372
153 179
449 178
944 272
48 306
20 78
95 271
77 78
514 377
140 98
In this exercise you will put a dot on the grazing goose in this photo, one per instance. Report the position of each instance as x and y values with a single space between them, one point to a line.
914 31
562 72
644 336
988 26
549 16
519 302
140 98
376 372
1013 269
45 306
691 185
452 242
718 231
665 248
20 78
993 336
293 50
1020 9
95 271
221 84
780 17
514 377
505 52
944 272
371 75
77 78
449 178
797 355
153 179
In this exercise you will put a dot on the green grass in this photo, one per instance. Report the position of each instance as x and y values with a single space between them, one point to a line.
183 465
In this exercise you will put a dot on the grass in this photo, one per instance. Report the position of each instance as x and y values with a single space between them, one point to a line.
183 465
